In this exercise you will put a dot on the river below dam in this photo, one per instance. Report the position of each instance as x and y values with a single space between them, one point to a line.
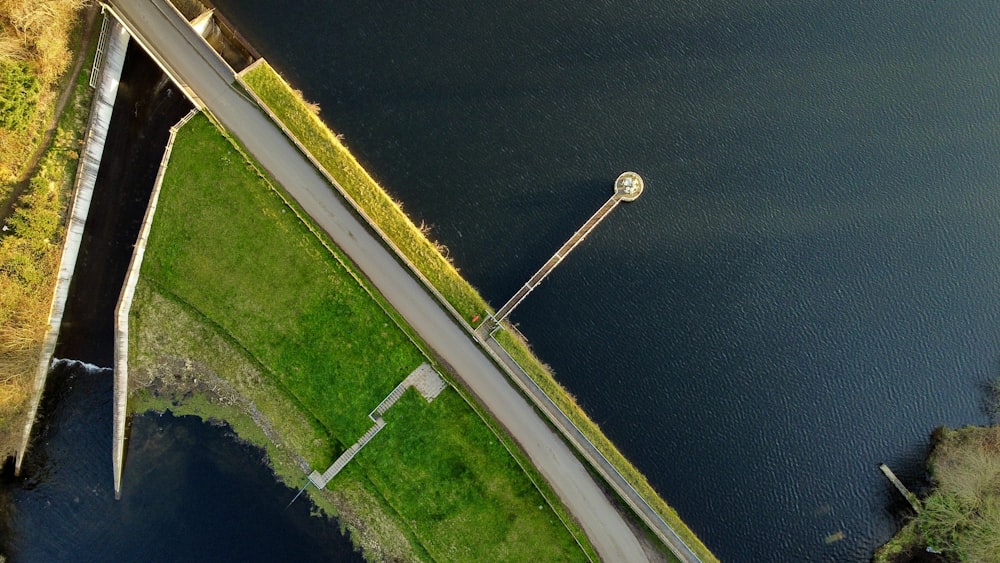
810 283
191 491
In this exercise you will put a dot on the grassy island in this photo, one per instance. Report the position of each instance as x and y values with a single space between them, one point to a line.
243 302
301 120
960 518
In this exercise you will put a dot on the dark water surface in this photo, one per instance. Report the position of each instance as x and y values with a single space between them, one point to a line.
146 106
190 491
809 285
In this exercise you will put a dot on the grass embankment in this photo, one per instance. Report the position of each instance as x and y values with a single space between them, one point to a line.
540 373
31 241
960 518
285 321
36 39
300 118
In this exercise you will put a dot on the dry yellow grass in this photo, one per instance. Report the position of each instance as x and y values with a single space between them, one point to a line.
35 32
23 315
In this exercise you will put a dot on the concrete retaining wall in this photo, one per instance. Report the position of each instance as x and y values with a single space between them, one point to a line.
90 162
125 306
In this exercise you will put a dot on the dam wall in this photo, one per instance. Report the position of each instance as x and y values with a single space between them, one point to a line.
115 41
125 306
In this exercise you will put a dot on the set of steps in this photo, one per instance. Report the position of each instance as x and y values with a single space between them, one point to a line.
321 479
424 379
389 400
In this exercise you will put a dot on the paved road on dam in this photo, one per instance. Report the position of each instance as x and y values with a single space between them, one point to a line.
191 61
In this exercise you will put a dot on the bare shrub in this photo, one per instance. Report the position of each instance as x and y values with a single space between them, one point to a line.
962 516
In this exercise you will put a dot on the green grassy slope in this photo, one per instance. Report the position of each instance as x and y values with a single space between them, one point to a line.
226 246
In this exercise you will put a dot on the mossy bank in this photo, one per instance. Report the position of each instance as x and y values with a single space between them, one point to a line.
960 518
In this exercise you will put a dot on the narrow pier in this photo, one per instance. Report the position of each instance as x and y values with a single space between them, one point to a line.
628 187
910 497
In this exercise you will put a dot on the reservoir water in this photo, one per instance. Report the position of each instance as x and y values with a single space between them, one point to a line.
191 491
810 283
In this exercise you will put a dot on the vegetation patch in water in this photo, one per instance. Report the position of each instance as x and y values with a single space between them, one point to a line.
960 518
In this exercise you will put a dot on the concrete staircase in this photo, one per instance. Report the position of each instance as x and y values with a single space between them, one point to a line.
321 479
424 379
389 400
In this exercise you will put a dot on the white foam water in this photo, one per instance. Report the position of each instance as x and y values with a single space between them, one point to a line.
70 363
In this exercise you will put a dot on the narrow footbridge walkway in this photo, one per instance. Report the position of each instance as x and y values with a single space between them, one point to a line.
628 187
424 379
551 263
